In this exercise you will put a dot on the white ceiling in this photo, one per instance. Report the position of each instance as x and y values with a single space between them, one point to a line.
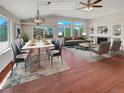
24 9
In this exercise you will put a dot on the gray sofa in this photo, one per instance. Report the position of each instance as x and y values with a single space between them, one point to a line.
74 41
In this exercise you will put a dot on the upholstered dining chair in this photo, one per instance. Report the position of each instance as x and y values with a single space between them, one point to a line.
103 48
56 52
20 45
53 41
116 45
22 42
17 57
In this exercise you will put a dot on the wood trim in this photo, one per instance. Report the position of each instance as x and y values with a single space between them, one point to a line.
5 71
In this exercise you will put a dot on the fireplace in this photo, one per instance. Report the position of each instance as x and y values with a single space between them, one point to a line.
101 39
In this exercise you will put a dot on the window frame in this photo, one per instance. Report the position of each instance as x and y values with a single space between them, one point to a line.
8 35
72 25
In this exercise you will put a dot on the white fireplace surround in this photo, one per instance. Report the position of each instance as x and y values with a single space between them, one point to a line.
102 39
95 38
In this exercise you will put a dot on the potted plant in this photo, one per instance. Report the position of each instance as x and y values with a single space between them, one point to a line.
25 37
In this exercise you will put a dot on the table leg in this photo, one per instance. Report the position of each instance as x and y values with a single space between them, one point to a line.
39 60
39 57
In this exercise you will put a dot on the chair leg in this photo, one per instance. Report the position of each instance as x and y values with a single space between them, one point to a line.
49 56
51 61
28 59
90 53
61 59
12 69
25 66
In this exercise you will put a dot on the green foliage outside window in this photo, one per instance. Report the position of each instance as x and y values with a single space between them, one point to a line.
3 29
67 32
75 32
81 31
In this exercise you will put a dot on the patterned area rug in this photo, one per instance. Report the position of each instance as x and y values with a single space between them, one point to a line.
85 54
34 71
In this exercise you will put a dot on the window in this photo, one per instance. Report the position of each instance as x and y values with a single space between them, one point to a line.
77 23
49 32
64 23
71 28
42 32
4 30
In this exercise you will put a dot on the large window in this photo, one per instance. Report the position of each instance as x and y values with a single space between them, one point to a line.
49 32
42 32
71 28
4 30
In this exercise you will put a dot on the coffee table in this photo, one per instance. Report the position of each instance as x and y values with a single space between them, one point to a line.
85 45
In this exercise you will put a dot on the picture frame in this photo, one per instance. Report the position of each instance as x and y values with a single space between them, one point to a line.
18 31
102 30
116 30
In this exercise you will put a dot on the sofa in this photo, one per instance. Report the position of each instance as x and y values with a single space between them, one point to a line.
69 41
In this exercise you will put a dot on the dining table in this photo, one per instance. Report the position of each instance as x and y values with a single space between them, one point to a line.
38 44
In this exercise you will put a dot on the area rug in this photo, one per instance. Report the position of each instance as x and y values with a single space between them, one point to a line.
34 71
85 54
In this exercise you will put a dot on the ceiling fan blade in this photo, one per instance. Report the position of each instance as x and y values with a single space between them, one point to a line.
82 3
89 1
97 1
99 6
79 8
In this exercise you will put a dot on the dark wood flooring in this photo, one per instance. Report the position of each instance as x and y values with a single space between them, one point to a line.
104 76
5 71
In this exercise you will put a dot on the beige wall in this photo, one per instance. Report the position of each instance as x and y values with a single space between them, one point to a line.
6 56
51 21
109 20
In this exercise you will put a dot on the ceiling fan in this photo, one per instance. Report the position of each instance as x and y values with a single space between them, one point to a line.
89 5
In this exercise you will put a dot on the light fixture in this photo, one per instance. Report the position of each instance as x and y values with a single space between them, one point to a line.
60 34
38 19
88 9
83 33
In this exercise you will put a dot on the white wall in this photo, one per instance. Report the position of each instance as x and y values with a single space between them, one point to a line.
51 21
109 20
6 56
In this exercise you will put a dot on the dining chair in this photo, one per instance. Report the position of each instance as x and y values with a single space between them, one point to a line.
53 41
17 57
57 52
22 42
20 45
103 48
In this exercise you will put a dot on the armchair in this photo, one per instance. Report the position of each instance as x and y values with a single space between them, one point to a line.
115 46
103 48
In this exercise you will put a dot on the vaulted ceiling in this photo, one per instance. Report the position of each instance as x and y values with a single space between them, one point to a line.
27 8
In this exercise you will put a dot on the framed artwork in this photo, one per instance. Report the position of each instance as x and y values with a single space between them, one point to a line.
92 30
116 30
17 31
102 29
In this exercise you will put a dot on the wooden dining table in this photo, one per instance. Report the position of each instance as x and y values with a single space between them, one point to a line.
38 44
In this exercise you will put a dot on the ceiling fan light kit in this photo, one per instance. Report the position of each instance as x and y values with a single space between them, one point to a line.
89 5
88 9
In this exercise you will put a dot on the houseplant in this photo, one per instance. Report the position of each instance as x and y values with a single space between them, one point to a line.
25 37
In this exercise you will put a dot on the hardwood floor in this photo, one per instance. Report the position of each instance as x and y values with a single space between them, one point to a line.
5 72
104 76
